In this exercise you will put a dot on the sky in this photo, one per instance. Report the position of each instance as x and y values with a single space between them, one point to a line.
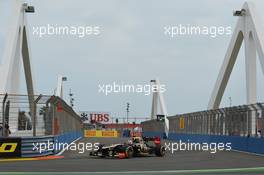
132 49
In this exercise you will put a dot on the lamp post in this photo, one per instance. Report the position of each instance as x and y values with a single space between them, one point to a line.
63 79
230 101
59 89
71 98
127 109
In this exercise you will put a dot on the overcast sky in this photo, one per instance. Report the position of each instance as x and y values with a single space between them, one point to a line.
132 49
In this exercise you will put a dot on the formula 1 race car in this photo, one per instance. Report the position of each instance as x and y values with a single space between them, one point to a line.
137 146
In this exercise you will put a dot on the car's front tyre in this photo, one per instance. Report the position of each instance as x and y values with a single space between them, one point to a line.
160 151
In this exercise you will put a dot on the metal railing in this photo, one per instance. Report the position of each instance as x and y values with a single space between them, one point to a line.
245 120
36 115
20 113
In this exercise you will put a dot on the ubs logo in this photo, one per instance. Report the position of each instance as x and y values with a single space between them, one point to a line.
99 118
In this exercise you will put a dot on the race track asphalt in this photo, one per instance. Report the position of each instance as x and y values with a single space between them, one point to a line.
171 163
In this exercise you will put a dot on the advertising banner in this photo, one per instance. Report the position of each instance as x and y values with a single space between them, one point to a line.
100 133
97 117
10 147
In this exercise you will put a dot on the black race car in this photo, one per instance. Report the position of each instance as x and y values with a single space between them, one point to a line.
137 146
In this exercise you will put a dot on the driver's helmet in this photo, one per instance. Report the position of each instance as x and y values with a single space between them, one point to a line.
137 140
130 141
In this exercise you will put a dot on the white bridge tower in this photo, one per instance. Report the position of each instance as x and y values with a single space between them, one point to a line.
158 101
249 28
17 50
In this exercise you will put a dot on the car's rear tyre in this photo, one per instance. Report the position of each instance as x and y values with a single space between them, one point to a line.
92 153
129 152
160 151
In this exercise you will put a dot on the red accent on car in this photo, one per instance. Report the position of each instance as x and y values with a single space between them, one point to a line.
121 155
157 140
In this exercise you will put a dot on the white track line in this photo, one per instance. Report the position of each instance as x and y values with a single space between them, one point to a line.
62 151
231 170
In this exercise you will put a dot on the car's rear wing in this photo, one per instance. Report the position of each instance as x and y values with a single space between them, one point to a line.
156 140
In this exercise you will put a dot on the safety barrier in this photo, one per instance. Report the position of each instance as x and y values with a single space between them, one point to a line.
10 147
242 126
245 120
60 118
37 121
30 146
36 115
27 146
246 144
67 138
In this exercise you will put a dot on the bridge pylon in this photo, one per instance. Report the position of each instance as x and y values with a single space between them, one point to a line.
17 50
249 27
158 101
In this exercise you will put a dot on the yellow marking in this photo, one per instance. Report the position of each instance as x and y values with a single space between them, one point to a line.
100 133
16 159
12 148
33 158
181 123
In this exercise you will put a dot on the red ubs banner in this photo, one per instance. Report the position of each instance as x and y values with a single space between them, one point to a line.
98 117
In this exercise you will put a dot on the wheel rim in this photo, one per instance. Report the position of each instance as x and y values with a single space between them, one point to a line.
129 153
